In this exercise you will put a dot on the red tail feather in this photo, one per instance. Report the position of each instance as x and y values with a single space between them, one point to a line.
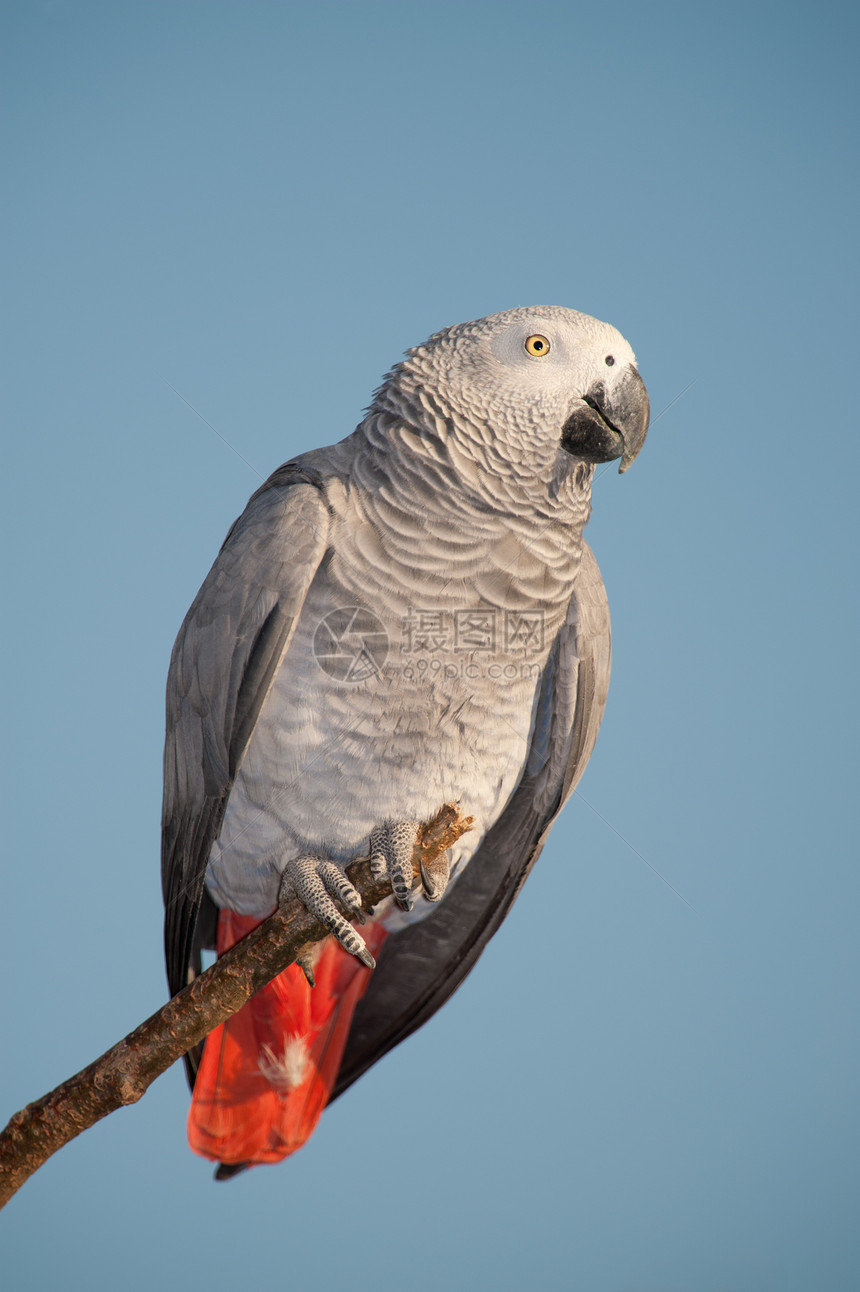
267 1073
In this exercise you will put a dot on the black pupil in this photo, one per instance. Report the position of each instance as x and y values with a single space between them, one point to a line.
609 361
538 345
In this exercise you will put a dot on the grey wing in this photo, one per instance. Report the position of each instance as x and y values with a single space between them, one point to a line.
222 667
421 966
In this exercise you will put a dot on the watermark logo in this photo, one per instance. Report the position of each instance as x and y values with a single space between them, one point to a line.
485 630
351 644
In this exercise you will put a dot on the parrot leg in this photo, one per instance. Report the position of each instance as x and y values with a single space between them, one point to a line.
391 848
318 884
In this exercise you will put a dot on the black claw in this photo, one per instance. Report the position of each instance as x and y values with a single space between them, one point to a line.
434 878
306 966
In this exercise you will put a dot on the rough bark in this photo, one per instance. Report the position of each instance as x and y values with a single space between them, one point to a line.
124 1073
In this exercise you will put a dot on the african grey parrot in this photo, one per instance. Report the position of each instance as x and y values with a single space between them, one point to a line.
404 619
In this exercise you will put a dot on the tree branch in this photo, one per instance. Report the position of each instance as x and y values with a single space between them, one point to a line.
124 1073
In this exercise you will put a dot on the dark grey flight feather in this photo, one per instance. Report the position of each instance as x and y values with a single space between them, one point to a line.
221 670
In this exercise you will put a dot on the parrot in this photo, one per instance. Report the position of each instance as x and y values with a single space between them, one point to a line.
407 618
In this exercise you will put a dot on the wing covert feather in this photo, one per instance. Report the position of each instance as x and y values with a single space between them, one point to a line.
221 670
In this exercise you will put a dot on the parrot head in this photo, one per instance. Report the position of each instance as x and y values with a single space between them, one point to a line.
539 379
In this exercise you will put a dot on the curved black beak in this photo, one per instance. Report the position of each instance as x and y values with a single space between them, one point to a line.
610 422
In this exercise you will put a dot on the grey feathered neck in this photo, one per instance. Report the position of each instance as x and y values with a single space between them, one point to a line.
433 444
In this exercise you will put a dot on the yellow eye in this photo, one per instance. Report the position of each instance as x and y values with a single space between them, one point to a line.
537 346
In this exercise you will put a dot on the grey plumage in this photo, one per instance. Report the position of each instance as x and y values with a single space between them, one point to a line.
297 728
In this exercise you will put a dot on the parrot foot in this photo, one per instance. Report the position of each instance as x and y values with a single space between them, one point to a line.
317 884
391 848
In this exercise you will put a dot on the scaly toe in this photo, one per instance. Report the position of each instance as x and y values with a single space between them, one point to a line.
315 882
391 848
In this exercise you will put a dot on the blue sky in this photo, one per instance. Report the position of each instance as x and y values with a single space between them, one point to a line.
264 205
